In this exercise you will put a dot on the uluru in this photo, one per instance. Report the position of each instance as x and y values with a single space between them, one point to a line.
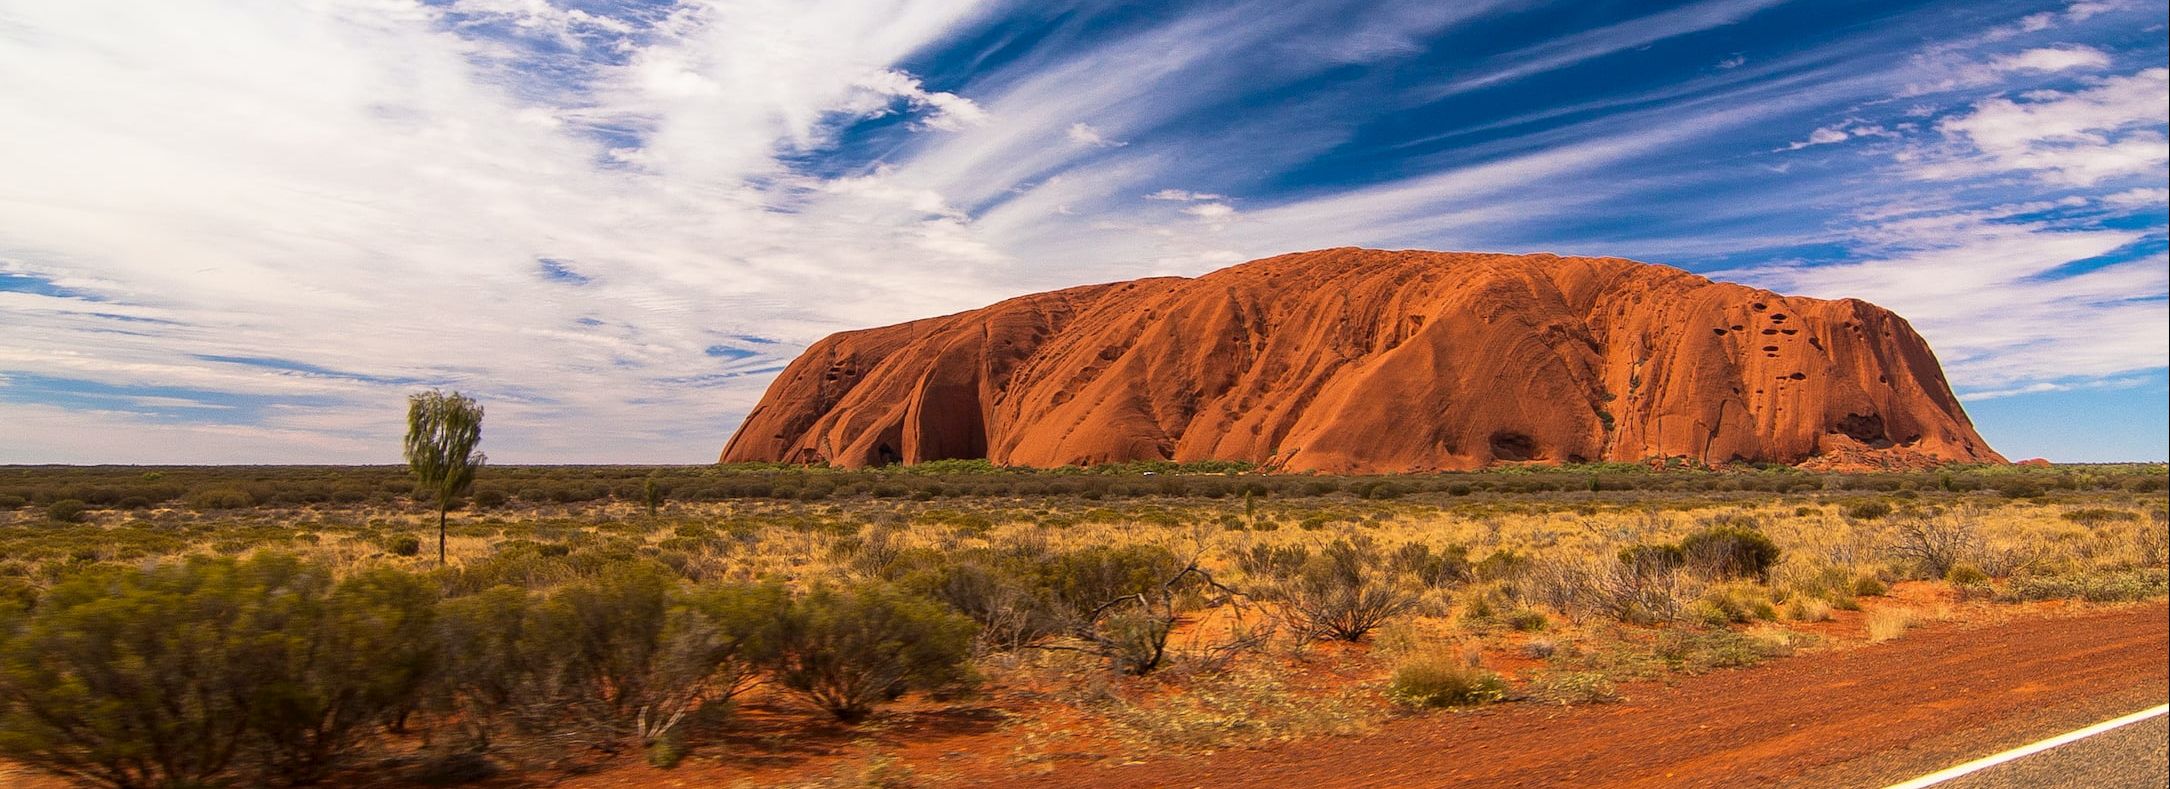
1371 361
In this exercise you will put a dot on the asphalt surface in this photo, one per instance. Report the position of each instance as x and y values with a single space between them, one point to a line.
1924 755
2136 755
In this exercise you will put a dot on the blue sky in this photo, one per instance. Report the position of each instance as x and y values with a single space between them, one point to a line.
242 231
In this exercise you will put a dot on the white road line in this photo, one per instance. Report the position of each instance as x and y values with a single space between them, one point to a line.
1987 762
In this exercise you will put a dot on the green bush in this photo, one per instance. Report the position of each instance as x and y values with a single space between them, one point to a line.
1083 580
223 497
1010 612
168 676
1434 570
66 511
1868 510
405 545
616 661
639 656
1730 551
1502 565
2096 516
1660 558
352 662
1964 574
1528 620
846 651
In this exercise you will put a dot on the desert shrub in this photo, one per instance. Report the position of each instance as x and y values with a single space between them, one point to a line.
1885 624
1130 628
336 669
1808 609
1435 570
1964 574
2093 587
66 511
223 497
1644 558
1085 579
405 545
1502 565
1010 612
169 675
1611 589
638 655
846 651
1870 586
488 498
1695 651
1868 510
1732 604
1933 545
1264 560
1442 678
2151 541
616 661
1577 687
1343 592
1527 620
2096 516
1729 550
491 669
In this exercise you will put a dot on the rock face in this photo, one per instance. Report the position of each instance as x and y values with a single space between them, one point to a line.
1357 361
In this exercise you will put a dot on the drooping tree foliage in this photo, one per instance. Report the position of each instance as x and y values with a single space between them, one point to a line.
442 431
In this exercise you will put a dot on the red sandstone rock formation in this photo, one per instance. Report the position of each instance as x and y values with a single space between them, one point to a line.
1356 360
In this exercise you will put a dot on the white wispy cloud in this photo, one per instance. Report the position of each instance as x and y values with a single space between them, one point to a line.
1570 50
2051 59
616 224
2079 137
1084 134
1182 195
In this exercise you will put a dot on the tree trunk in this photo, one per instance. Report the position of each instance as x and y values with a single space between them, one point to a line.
441 534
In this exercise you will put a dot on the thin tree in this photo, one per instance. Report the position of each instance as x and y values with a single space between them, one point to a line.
442 431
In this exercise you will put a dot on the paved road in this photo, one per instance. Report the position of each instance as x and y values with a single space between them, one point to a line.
1879 767
2134 756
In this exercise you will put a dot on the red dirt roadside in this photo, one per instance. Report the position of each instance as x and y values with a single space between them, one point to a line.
1864 716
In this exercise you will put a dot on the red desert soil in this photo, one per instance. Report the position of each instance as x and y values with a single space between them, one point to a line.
1776 723
1360 361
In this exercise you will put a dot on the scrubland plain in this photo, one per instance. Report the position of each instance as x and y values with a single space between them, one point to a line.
952 621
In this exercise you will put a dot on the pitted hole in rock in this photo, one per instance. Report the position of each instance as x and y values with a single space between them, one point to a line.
1778 317
1720 331
887 454
1865 428
1789 332
1770 349
1769 332
1760 306
1513 446
1736 327
1799 376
